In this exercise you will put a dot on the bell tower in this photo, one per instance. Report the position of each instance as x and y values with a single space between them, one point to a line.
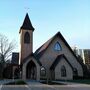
26 39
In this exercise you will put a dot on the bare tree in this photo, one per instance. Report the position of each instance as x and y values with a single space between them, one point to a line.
6 48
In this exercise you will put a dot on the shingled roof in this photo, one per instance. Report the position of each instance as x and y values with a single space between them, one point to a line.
31 55
39 52
58 59
27 25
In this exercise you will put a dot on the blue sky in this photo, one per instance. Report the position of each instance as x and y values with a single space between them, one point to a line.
70 17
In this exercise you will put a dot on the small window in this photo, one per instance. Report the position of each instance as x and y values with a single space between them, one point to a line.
63 71
43 71
27 38
57 46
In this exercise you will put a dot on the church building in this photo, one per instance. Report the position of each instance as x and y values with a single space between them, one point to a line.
53 60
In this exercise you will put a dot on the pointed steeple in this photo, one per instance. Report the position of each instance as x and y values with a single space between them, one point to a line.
27 25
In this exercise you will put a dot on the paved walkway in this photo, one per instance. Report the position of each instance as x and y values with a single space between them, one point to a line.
44 87
33 82
7 81
33 85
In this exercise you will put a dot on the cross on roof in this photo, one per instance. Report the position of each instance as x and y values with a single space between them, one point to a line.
27 9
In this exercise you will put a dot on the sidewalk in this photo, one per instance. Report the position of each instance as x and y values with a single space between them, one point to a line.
33 82
7 81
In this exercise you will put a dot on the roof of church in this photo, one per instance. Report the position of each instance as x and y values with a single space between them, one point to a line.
27 25
32 55
58 59
15 58
40 51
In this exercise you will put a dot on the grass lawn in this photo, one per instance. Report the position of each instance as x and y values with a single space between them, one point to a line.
85 81
52 83
20 82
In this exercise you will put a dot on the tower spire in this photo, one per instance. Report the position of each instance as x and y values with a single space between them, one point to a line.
27 25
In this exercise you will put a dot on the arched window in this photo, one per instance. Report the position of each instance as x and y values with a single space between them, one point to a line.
63 71
57 46
43 71
27 38
75 72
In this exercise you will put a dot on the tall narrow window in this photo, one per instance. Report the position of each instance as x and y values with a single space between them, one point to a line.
57 46
75 72
27 38
63 71
43 71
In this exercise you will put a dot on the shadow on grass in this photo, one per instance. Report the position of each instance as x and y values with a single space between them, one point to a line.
83 81
52 83
20 82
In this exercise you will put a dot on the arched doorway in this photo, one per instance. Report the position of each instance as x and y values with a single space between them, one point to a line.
31 71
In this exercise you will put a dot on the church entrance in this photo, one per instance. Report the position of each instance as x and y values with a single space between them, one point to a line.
31 71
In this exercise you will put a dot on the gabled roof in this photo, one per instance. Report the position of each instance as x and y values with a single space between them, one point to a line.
58 59
27 25
31 55
15 58
39 52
